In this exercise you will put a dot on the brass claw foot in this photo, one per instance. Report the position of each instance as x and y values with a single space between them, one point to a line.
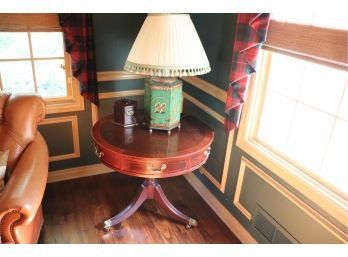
192 223
107 225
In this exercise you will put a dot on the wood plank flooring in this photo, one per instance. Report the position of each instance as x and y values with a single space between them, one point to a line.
75 210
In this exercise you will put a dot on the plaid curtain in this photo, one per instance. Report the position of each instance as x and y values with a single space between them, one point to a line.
79 43
250 35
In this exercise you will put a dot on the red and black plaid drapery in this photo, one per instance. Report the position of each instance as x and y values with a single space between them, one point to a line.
79 43
251 32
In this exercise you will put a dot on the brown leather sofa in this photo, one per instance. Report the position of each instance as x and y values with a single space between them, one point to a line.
21 216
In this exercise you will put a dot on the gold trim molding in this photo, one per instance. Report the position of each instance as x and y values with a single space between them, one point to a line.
204 107
75 134
220 185
227 160
201 84
77 172
94 112
236 198
103 76
207 87
121 94
339 234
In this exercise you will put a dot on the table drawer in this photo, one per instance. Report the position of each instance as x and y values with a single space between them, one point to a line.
155 167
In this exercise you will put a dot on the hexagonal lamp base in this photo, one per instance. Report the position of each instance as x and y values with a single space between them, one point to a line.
162 102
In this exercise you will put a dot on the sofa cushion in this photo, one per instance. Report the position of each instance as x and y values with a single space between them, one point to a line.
3 163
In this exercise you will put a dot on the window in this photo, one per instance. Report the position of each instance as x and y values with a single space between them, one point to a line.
33 62
295 120
32 59
304 117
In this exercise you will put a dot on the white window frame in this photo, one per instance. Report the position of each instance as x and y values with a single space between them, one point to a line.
277 163
47 23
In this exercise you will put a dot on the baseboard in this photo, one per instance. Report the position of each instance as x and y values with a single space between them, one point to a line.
78 172
231 222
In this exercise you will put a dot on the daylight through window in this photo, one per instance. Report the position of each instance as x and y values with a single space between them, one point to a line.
305 117
33 62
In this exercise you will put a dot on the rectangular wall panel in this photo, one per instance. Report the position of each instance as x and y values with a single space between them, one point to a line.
256 188
62 137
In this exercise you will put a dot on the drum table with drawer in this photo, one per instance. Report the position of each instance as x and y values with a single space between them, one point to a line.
135 151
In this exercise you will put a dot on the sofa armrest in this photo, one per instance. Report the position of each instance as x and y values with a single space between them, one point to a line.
24 190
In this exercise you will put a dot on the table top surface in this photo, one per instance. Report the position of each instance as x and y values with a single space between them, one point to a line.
137 141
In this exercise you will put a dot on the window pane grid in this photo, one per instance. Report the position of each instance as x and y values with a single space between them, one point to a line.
337 116
32 63
310 125
52 81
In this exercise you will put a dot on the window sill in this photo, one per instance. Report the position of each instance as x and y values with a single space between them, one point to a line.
69 104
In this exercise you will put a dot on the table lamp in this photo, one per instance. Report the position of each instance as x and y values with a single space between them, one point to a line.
167 47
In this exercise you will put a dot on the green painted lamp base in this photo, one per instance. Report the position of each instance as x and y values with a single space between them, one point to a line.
162 102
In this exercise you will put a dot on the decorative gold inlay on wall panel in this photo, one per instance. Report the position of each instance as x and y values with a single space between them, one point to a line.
205 108
104 76
220 185
94 111
207 87
286 193
121 93
75 134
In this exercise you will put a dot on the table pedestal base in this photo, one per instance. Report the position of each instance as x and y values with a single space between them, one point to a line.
150 189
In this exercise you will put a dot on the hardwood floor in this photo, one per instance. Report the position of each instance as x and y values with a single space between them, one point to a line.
75 210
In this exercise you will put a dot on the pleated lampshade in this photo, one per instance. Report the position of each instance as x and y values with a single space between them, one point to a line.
168 45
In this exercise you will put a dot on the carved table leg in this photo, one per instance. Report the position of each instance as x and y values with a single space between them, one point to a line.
165 205
137 201
150 189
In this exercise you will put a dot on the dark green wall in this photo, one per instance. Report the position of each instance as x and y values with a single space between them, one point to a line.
216 32
114 35
62 132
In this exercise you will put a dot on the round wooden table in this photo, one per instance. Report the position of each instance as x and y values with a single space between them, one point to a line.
135 151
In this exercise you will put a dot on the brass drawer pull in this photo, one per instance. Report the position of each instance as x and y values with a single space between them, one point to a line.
207 152
152 169
98 152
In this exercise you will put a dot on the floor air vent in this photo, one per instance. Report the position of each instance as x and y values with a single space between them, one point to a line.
269 229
